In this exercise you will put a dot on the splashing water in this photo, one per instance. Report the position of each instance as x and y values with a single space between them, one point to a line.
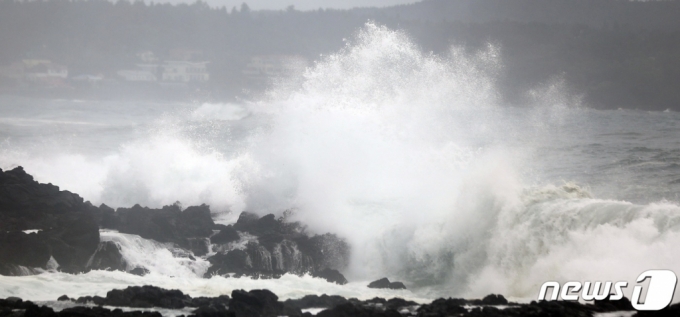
412 159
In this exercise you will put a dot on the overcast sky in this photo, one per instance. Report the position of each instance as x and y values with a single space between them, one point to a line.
299 4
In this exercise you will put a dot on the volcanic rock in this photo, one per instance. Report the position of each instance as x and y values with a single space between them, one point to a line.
226 235
351 310
147 296
494 299
614 305
139 271
168 224
103 312
330 275
275 247
234 261
315 301
107 257
385 283
68 231
443 307
257 303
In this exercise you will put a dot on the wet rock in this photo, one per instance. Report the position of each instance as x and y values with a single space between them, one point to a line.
168 224
399 303
494 299
252 223
147 296
139 271
97 300
349 309
68 230
330 275
107 217
199 246
103 312
22 249
212 311
278 247
315 301
326 250
107 257
221 301
235 261
385 283
73 240
607 304
259 303
42 311
226 235
443 307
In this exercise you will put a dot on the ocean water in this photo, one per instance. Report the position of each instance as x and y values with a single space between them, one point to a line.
411 157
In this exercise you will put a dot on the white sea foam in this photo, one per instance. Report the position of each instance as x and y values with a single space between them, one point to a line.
49 286
155 256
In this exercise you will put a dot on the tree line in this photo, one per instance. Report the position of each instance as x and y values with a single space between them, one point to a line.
615 53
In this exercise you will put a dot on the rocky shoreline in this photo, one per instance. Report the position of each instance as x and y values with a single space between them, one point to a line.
265 303
43 228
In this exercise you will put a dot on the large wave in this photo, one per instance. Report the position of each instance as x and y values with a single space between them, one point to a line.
409 156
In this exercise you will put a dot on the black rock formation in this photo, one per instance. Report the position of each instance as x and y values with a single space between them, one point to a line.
68 231
491 299
107 257
147 296
168 224
67 236
275 247
331 275
226 235
19 308
259 303
315 301
612 305
385 283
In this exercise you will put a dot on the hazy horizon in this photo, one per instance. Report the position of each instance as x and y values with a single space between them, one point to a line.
304 5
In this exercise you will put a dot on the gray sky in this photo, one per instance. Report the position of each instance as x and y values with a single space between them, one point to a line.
299 4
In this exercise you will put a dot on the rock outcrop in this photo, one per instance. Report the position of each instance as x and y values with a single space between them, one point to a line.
107 257
65 226
270 247
385 283
168 224
43 227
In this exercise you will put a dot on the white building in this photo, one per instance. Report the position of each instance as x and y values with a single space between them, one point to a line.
185 72
44 70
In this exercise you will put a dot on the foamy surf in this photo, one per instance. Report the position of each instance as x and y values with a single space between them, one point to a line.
49 286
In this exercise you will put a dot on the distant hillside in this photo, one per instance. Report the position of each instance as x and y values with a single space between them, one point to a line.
615 53
594 13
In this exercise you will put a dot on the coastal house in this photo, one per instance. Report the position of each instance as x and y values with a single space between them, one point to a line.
44 72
